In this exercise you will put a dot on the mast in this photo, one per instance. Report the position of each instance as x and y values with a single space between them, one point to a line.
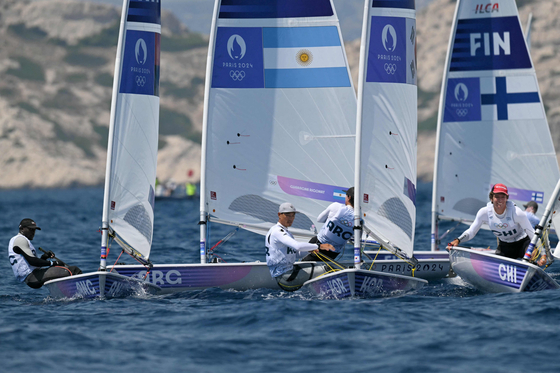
203 205
434 235
116 84
542 224
357 158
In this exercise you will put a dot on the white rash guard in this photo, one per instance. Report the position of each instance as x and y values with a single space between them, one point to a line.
513 225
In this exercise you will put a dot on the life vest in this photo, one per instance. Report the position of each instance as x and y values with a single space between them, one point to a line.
506 229
21 268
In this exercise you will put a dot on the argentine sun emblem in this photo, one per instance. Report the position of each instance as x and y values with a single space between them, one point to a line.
304 57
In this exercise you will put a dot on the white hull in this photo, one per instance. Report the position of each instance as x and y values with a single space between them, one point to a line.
491 273
99 285
432 265
174 278
359 283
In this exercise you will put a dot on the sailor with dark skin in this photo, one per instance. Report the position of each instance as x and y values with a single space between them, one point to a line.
29 268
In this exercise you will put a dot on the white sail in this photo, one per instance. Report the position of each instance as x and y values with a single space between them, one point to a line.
279 119
387 123
133 141
492 126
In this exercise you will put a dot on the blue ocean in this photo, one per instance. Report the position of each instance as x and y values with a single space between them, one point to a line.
444 327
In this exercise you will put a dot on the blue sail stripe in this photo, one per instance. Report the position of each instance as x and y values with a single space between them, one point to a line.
300 37
144 11
275 8
307 78
403 4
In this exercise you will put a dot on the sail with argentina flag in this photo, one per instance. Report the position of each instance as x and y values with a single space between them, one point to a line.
492 127
279 114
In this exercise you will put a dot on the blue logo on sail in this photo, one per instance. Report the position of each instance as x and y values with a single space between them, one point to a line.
238 58
140 67
462 100
387 50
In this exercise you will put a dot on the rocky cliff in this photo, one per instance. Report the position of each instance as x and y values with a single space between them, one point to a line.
57 62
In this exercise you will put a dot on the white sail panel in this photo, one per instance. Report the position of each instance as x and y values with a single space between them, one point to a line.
135 130
280 114
388 97
492 127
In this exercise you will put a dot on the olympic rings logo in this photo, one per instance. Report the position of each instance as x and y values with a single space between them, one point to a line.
272 182
345 222
140 80
462 112
501 225
237 75
390 68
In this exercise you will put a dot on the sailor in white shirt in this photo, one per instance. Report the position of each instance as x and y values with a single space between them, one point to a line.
282 251
338 227
506 221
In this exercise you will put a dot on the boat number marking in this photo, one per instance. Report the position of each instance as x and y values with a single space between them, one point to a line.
336 286
371 283
508 273
171 277
85 288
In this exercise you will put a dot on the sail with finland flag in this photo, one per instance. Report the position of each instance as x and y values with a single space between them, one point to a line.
492 127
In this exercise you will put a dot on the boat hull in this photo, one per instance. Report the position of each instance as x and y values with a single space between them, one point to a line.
432 265
491 273
174 278
99 285
360 283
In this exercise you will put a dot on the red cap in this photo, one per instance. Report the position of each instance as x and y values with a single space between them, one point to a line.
500 188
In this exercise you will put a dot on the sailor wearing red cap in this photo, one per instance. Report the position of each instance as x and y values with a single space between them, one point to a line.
507 221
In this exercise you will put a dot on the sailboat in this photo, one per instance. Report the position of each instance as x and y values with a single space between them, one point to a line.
385 170
128 203
492 128
279 125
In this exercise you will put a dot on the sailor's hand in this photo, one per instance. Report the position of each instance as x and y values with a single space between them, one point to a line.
453 243
542 261
327 246
57 263
47 255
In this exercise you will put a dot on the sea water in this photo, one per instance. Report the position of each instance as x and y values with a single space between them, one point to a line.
444 327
